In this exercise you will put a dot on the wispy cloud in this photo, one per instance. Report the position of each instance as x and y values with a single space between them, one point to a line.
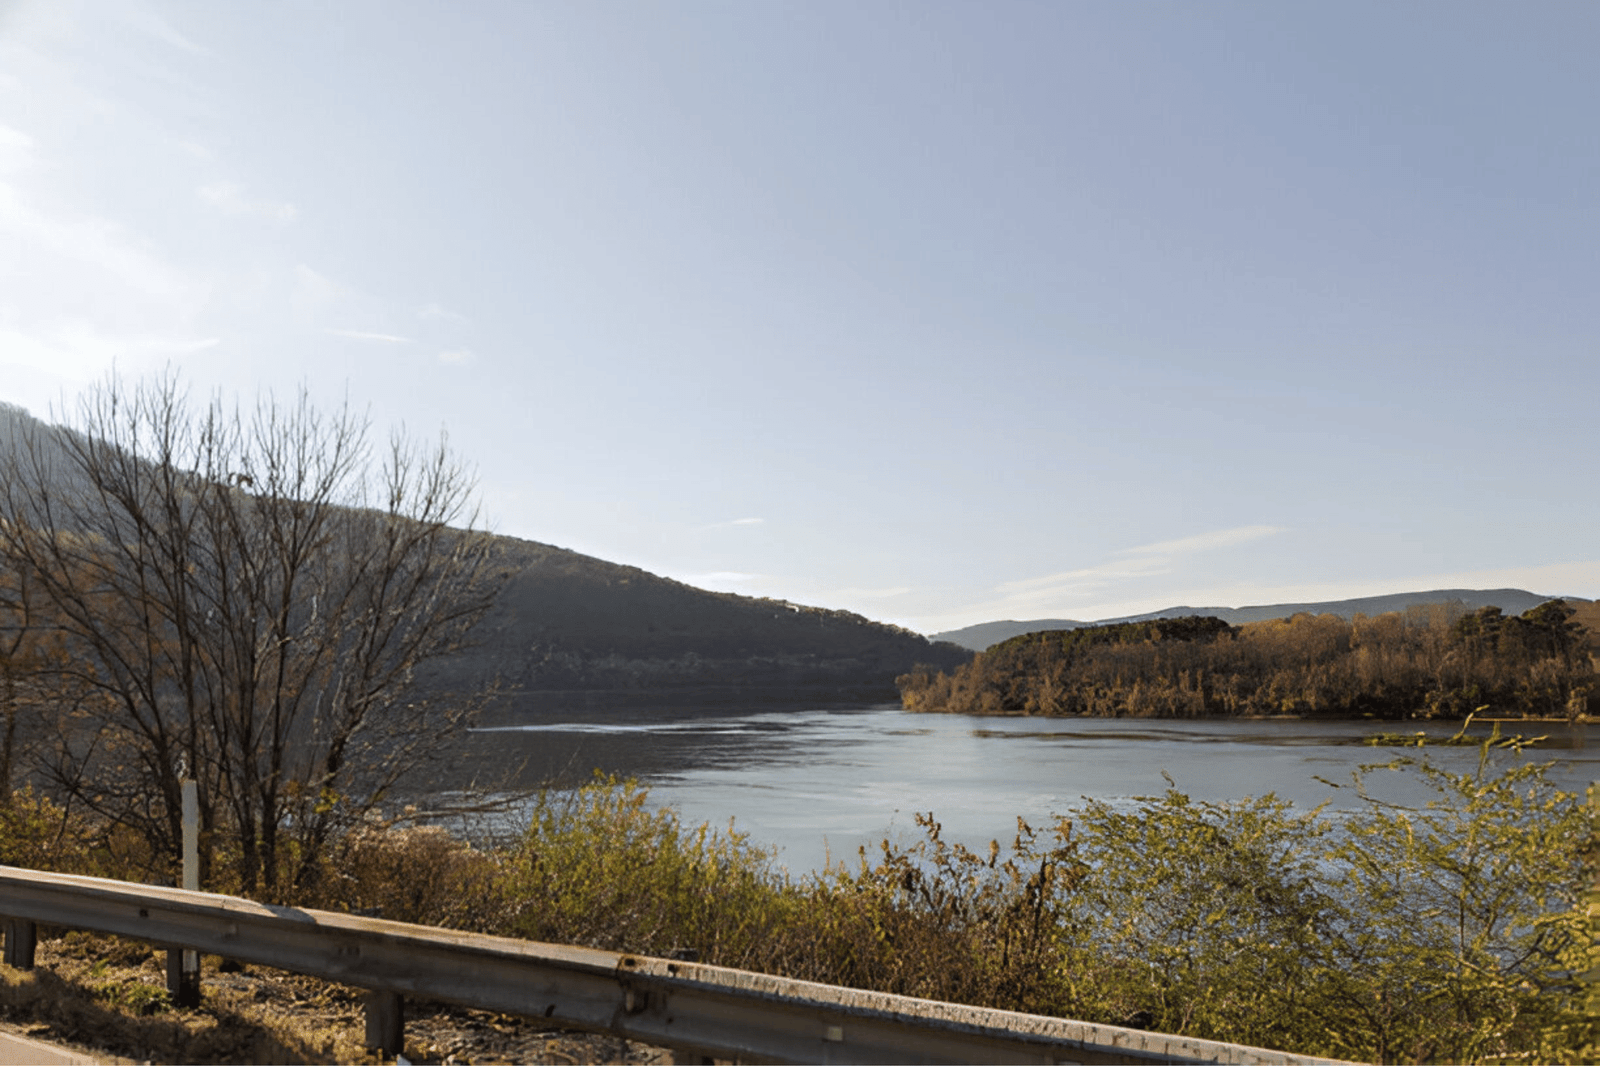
230 198
1100 596
436 313
80 291
865 594
1555 579
183 346
311 291
363 335
1067 580
143 17
1070 590
456 356
734 522
16 150
1222 538
76 351
92 241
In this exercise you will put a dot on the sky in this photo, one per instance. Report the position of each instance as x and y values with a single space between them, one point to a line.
938 312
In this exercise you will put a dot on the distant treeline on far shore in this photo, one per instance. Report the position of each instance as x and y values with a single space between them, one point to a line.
1438 661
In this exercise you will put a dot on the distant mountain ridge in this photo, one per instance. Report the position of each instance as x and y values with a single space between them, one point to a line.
1512 601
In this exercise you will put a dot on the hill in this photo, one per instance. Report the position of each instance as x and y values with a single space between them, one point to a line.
1511 601
986 634
568 630
572 630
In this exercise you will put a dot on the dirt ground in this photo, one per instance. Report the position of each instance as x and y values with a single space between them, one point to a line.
105 997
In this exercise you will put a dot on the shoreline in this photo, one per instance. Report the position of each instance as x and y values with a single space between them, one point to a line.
1470 719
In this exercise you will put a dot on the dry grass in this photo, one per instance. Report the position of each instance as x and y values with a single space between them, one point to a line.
1068 921
106 997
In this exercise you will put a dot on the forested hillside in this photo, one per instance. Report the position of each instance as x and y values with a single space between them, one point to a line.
1428 662
569 629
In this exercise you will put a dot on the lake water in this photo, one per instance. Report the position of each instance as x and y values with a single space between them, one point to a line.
817 784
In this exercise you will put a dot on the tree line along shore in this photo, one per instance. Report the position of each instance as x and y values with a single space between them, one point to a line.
1439 661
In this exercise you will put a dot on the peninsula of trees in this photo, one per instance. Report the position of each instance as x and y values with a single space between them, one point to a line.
1439 661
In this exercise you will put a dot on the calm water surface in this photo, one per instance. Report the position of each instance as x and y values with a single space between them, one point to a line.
821 783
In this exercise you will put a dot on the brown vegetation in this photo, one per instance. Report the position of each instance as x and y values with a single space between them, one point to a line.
107 998
1450 932
1423 663
202 597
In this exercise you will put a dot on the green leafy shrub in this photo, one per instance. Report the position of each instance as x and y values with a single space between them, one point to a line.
1464 916
1457 930
136 997
1454 931
1573 1033
599 866
1202 918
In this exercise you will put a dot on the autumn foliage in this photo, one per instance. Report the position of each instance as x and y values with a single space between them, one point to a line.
1433 662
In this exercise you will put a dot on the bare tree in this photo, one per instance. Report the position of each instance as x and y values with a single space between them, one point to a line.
31 653
248 595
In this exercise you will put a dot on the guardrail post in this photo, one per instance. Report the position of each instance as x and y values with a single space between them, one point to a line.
183 977
21 938
386 1022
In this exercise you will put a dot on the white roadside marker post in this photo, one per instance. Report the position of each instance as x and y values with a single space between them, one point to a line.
183 964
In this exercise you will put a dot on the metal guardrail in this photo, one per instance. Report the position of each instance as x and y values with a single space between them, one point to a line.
696 1010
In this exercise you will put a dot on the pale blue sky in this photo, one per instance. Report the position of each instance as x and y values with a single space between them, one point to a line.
937 312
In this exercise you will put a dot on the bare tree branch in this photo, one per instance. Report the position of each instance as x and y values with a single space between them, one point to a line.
237 611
